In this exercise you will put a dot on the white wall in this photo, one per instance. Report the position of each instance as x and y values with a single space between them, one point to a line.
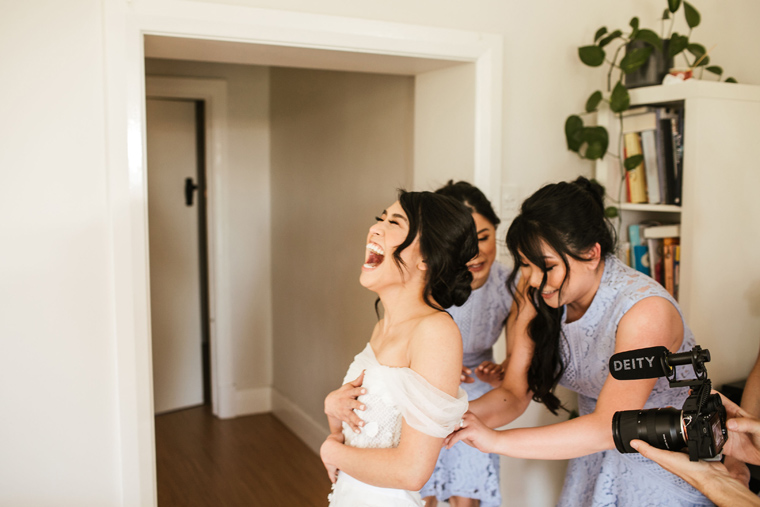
341 146
59 425
60 433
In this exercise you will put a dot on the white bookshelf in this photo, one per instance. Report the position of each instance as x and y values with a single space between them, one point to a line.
720 215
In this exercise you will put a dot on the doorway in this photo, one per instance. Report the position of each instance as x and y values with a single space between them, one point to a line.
178 260
126 24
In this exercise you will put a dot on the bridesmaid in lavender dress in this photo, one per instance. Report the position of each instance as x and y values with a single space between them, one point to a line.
464 476
576 305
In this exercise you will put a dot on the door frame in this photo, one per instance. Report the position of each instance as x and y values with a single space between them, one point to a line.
125 24
213 92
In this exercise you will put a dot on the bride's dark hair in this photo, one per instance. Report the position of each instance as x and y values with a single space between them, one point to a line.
568 217
448 241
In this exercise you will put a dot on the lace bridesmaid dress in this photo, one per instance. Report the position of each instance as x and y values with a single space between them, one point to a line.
463 470
609 478
392 393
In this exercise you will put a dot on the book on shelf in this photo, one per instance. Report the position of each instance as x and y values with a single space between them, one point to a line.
640 258
655 249
636 177
662 231
670 249
651 166
659 139
639 250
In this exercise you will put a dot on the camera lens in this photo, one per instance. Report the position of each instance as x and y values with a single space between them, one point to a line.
661 427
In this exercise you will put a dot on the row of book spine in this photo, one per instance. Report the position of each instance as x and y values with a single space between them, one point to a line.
654 249
656 133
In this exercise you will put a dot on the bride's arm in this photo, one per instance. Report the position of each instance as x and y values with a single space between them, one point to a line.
435 352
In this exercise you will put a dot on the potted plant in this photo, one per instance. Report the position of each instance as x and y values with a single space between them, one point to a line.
629 52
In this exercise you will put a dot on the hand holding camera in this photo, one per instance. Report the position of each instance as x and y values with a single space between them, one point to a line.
700 426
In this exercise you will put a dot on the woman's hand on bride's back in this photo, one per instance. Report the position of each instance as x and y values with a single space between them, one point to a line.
474 433
341 403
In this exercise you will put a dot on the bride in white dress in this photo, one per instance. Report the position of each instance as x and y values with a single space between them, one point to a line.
416 262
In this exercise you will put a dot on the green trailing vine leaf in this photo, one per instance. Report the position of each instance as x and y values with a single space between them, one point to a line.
593 56
731 80
597 140
611 212
633 162
593 101
696 49
612 36
673 5
677 44
692 15
600 33
620 100
650 38
634 59
715 69
573 128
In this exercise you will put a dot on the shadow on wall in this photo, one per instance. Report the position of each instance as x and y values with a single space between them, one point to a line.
752 295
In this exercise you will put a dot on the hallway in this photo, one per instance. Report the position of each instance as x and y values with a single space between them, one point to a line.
251 461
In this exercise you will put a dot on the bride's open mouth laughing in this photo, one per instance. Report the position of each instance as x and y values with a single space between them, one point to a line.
375 256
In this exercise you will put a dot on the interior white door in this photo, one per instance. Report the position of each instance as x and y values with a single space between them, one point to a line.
174 256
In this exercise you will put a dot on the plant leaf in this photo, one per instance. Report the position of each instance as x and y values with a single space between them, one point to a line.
593 101
633 162
666 14
611 212
634 23
593 56
673 5
692 15
677 44
597 141
731 80
600 33
635 59
573 130
696 49
650 38
715 69
612 36
620 100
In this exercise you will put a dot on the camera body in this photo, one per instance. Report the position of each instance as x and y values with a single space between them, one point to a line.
700 425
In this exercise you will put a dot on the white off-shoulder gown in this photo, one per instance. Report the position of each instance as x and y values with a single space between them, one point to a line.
393 393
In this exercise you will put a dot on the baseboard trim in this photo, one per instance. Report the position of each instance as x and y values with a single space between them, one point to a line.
305 428
253 401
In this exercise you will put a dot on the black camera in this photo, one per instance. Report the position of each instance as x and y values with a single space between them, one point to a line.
699 426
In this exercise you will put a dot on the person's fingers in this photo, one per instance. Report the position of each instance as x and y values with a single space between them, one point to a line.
357 391
358 381
659 455
744 425
454 438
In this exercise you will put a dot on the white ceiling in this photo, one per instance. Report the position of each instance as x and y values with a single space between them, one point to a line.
177 48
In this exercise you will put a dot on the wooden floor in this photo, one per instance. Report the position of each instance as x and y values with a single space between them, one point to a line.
248 461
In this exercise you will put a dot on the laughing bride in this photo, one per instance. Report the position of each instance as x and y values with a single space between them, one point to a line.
416 262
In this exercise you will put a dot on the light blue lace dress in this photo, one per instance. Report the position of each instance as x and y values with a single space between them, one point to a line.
463 470
610 478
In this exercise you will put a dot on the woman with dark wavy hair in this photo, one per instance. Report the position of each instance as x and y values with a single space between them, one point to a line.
464 476
577 305
416 261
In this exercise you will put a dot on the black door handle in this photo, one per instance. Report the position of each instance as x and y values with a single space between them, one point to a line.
190 188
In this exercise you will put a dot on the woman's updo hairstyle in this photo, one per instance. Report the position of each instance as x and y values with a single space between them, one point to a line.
448 241
472 197
569 218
